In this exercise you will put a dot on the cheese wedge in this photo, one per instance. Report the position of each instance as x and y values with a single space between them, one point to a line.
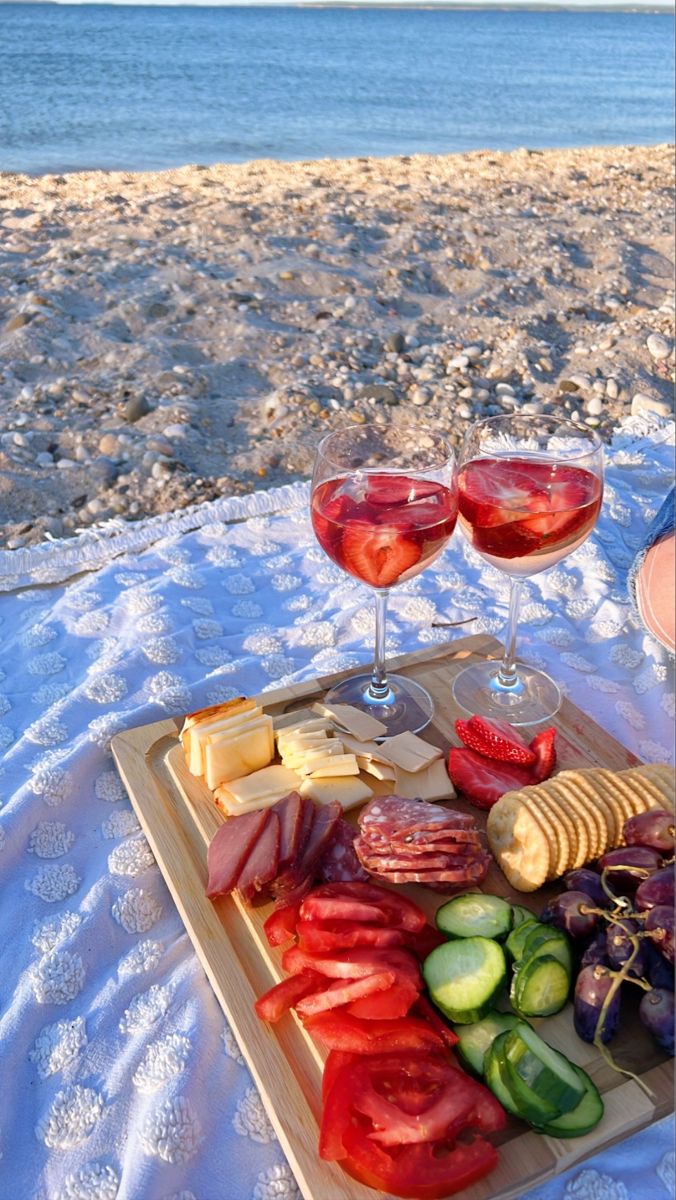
348 791
379 770
199 733
331 766
258 790
238 752
353 720
410 752
432 783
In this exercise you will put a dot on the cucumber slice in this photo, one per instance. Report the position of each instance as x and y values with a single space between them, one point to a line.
475 1040
521 914
542 1072
540 987
517 938
583 1118
475 915
544 939
463 977
496 1076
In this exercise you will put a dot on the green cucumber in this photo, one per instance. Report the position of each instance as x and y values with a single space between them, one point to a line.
544 939
583 1118
475 1040
540 987
464 977
475 915
521 914
496 1076
542 1072
517 938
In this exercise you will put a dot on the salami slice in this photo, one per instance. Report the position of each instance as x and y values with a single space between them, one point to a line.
339 863
462 877
387 814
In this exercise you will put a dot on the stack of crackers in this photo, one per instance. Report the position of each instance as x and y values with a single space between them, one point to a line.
538 833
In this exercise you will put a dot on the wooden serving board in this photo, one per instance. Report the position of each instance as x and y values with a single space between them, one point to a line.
179 818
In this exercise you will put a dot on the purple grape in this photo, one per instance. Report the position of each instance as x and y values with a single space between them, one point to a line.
626 867
660 924
657 889
596 952
621 947
660 973
591 988
567 912
654 829
587 881
656 1011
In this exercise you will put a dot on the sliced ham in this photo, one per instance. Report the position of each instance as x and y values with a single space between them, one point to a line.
262 864
229 850
290 813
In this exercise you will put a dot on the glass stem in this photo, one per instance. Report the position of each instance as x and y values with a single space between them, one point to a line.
507 676
379 688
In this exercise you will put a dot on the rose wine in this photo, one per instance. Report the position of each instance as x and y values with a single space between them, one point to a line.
383 528
523 515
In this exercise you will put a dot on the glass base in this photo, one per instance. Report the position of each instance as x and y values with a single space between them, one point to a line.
535 697
407 707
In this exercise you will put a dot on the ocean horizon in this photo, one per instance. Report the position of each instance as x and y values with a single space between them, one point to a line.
149 87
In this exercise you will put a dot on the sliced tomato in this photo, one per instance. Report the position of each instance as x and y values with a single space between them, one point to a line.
280 926
429 1013
283 996
340 1031
394 910
382 1006
355 964
424 941
320 937
424 1171
343 992
335 1061
340 908
417 1103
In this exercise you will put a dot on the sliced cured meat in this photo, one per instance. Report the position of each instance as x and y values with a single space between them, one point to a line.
260 867
229 849
294 896
288 879
290 813
473 873
403 862
388 814
425 836
418 849
339 862
321 835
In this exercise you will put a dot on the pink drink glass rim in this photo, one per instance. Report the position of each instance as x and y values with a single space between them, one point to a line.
440 443
544 455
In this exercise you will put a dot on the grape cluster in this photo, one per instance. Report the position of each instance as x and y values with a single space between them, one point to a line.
624 911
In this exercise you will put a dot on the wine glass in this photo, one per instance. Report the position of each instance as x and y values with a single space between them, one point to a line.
384 504
529 493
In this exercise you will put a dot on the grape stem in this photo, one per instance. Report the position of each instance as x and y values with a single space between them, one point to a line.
618 979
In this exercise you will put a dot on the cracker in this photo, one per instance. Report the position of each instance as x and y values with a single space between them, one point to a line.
650 785
562 790
566 833
620 795
635 796
532 800
665 778
518 843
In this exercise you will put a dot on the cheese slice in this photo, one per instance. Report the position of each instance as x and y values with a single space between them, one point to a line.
299 745
411 753
223 724
217 713
316 755
331 766
432 783
348 790
303 729
259 789
364 749
234 753
379 770
353 720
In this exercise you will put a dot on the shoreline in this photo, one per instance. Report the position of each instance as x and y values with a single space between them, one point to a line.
174 336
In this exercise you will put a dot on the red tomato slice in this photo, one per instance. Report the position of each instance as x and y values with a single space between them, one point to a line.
418 1172
398 911
283 996
340 1031
395 1002
429 1013
280 926
319 937
340 908
343 992
355 964
335 1061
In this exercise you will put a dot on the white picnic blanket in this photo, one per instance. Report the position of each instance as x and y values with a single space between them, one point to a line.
120 1076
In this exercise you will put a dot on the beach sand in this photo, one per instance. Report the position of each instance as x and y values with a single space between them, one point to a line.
168 338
